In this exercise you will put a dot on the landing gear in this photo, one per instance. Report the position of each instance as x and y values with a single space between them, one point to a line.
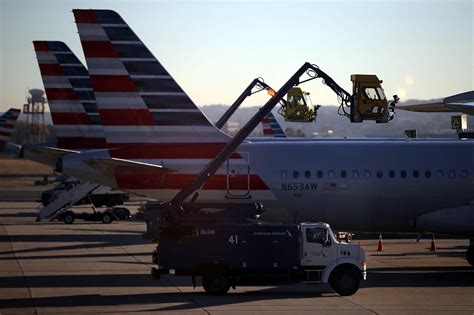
470 253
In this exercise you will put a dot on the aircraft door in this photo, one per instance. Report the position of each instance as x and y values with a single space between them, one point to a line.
238 176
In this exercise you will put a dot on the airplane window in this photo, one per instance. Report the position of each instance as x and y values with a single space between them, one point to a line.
391 174
464 173
355 174
428 174
319 174
296 174
283 174
331 174
403 174
440 174
452 174
379 174
416 174
367 174
307 174
343 174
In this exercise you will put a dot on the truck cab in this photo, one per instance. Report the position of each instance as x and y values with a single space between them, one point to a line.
298 106
340 263
370 102
319 245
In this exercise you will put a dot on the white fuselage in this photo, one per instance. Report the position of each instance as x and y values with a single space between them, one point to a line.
353 184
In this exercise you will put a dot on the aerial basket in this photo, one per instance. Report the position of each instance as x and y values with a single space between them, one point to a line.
298 106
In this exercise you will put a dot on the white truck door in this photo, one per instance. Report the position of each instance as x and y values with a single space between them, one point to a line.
316 247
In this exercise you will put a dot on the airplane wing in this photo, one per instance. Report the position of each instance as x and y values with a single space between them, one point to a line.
434 107
459 103
466 108
115 166
45 155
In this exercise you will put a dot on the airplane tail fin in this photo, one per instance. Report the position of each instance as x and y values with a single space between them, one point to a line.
139 102
70 96
271 127
7 126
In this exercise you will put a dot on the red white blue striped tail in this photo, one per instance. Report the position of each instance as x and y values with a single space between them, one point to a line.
138 100
271 127
148 118
70 96
7 125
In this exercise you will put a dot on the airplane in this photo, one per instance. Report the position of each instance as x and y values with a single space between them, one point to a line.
462 102
73 107
76 121
158 140
8 123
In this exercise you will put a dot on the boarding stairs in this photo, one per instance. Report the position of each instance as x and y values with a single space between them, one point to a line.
65 199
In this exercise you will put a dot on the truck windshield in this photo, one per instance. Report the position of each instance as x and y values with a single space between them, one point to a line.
370 93
295 100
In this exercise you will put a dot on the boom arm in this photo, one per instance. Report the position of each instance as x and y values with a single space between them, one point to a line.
211 168
257 82
344 97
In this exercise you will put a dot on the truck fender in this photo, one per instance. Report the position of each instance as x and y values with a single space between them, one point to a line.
329 268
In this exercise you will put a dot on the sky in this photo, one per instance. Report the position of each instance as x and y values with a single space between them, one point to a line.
420 49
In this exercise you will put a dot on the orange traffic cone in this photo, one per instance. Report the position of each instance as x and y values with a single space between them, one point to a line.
380 246
433 243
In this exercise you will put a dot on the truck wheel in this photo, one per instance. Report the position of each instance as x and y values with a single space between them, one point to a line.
69 217
470 255
348 238
107 218
215 282
345 281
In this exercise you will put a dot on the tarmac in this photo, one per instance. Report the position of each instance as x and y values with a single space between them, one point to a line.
88 267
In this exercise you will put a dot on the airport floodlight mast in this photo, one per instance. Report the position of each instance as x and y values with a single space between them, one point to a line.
34 112
361 85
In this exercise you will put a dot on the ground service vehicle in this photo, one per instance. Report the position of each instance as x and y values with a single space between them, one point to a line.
298 106
99 197
106 217
346 236
227 255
